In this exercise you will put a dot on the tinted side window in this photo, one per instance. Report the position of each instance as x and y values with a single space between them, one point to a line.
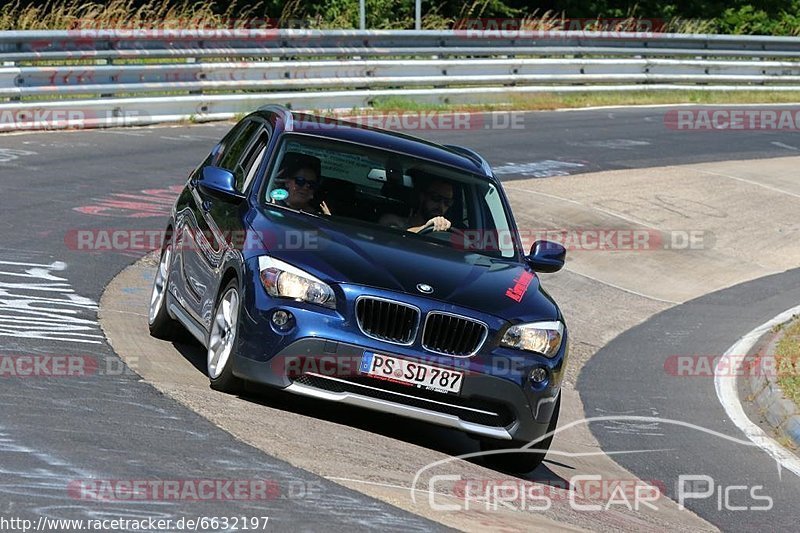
235 150
222 148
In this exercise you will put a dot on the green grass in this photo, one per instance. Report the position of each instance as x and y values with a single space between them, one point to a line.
533 102
397 103
787 442
549 101
787 355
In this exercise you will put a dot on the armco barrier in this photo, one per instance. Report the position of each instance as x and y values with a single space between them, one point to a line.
208 74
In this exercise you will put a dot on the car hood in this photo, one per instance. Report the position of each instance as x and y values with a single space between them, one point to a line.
339 251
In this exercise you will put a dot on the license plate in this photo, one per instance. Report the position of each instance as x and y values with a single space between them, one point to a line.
411 373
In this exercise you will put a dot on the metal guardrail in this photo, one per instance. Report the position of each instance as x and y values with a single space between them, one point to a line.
166 75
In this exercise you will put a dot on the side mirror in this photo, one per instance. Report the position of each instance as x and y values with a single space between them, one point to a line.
219 183
547 256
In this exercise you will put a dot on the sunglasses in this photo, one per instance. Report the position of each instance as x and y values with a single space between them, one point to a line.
439 199
303 182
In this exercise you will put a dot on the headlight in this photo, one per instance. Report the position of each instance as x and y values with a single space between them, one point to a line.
286 281
541 337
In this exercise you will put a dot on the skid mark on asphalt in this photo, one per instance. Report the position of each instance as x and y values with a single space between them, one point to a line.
31 474
35 303
623 426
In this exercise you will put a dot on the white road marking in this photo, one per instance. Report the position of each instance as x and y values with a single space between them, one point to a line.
745 180
10 154
725 384
624 107
130 133
611 144
185 138
37 304
587 206
630 291
538 169
781 145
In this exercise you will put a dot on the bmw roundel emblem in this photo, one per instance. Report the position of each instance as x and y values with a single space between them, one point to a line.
424 288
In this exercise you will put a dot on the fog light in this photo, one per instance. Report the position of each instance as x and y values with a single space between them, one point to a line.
280 318
538 375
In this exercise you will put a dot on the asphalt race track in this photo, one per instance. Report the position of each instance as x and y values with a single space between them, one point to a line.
57 434
701 326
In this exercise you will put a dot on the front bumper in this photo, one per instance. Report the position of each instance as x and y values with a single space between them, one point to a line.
497 399
488 406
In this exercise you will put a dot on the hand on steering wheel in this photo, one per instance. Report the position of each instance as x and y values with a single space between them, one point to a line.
435 224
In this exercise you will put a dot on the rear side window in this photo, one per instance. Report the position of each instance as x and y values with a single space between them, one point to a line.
252 160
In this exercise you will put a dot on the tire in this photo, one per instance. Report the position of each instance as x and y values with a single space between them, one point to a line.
223 340
160 324
523 461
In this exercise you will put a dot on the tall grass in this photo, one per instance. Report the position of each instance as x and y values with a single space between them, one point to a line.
381 14
76 14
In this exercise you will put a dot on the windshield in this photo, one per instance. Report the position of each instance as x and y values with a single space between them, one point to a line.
401 193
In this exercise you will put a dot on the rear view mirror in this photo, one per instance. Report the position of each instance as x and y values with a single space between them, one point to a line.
377 174
547 256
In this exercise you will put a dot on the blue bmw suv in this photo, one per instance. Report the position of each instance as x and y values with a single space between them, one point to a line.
370 268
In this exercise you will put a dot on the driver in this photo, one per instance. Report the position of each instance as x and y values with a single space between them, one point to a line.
435 198
301 177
